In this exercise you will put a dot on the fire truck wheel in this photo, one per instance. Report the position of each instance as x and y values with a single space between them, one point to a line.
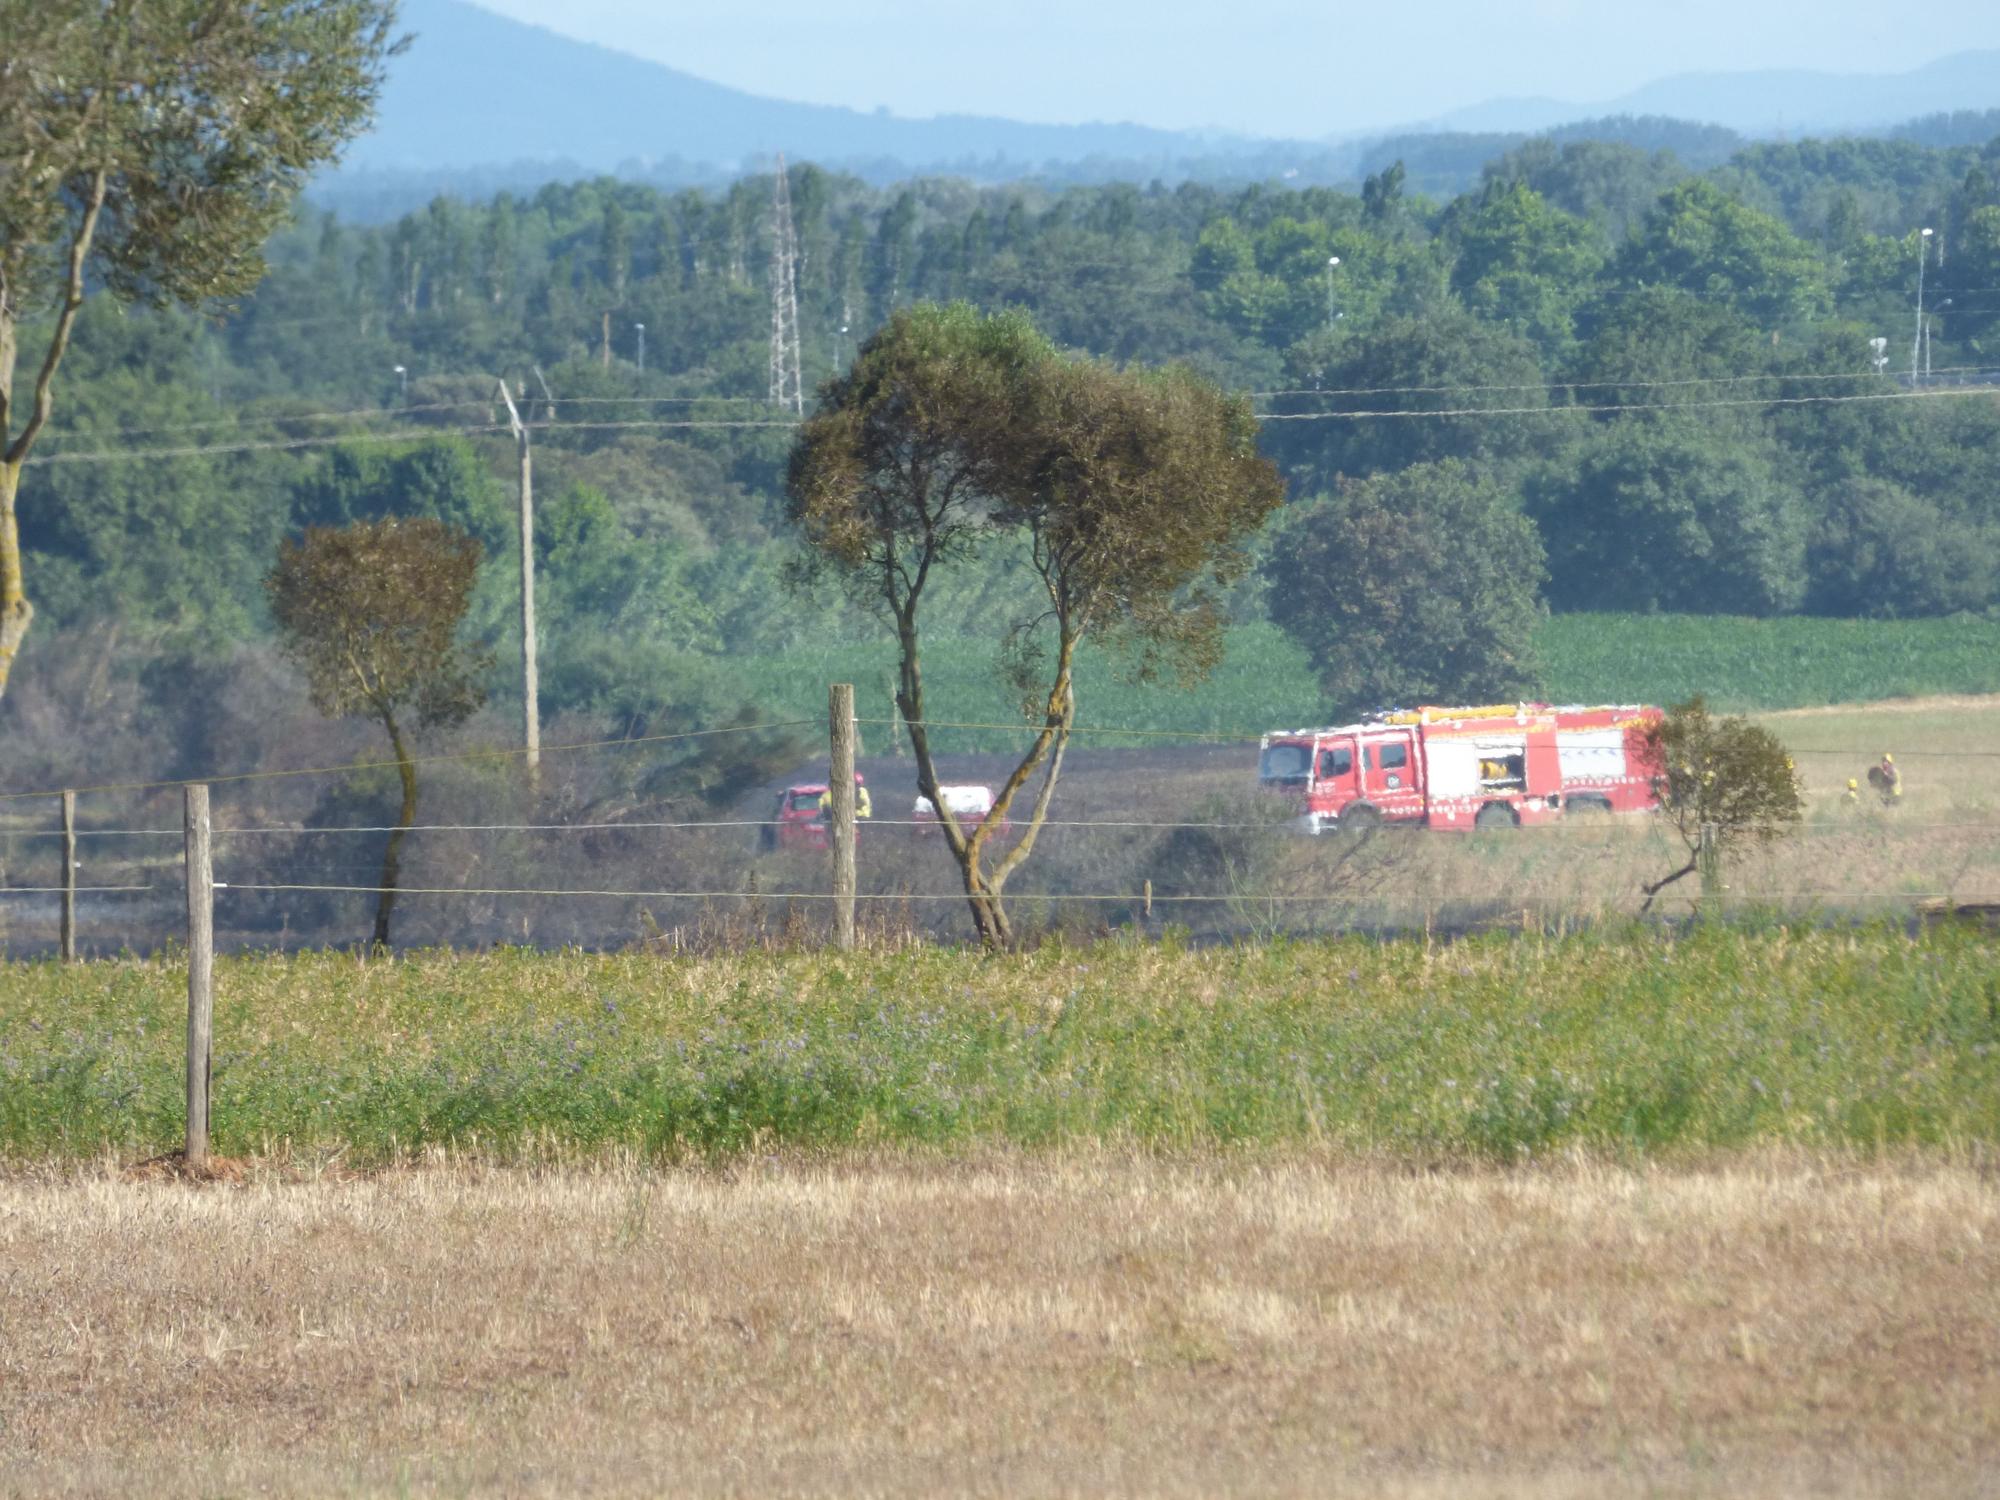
1361 818
1495 815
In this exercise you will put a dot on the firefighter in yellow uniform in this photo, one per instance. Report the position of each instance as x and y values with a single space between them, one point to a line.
864 805
1892 781
1853 796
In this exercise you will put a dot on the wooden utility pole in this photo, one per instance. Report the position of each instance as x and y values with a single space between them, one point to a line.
840 808
200 871
69 877
607 340
531 709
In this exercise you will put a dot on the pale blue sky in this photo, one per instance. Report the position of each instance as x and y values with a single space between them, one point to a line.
1269 67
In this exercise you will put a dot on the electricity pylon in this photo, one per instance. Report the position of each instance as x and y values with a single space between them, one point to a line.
787 379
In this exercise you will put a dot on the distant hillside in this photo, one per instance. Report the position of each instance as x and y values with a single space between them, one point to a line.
482 103
1959 127
477 88
1770 101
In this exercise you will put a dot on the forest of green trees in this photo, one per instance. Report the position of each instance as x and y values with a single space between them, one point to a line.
1667 372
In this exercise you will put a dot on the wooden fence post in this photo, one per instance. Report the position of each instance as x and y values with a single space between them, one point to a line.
1709 866
200 872
840 807
69 877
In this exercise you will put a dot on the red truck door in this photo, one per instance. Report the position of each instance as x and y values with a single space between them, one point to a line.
1389 774
1335 782
1544 761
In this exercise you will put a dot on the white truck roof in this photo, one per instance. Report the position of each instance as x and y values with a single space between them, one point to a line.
960 799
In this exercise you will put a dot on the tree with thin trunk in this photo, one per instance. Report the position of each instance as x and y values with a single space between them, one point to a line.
1129 492
1726 775
371 613
148 149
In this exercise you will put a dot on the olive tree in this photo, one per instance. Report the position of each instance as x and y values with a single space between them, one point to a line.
1726 776
1130 493
894 479
1134 494
148 148
370 613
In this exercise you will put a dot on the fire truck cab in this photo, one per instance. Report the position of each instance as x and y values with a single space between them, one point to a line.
1464 768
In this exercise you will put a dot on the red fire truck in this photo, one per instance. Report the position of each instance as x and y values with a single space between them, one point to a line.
1464 768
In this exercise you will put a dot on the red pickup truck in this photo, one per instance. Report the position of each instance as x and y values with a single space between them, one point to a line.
798 821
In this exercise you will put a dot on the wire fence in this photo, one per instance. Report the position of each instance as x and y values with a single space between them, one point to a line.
1225 860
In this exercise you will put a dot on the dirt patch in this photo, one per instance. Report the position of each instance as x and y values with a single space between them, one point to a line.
1948 702
173 1166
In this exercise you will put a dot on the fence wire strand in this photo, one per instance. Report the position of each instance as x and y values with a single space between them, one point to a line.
493 753
1244 898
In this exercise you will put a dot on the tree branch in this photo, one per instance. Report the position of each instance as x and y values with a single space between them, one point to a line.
1055 731
1657 886
79 252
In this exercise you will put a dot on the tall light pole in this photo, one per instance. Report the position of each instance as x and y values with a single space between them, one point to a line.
1930 337
403 383
531 707
1331 262
1917 349
641 327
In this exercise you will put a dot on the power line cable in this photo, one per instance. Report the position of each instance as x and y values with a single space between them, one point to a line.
1237 737
58 890
1984 392
397 413
719 424
282 445
401 413
1577 385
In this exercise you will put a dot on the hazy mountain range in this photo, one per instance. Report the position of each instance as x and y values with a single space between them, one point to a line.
480 102
1776 101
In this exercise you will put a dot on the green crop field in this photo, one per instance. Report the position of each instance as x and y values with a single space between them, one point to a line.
1747 664
1265 681
1483 1049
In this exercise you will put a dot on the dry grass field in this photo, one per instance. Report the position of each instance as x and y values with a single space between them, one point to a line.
1764 1324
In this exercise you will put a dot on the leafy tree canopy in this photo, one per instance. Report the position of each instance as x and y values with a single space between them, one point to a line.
1703 241
148 149
1676 514
1409 588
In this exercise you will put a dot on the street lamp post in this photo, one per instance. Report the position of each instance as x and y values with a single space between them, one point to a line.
403 383
1930 337
641 327
1331 262
1917 349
